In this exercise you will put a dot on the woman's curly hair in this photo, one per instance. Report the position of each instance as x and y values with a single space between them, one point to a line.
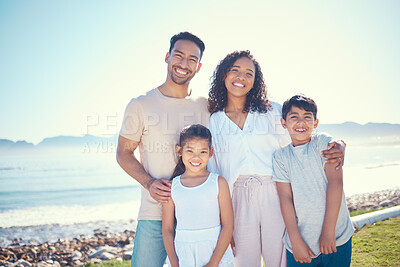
256 99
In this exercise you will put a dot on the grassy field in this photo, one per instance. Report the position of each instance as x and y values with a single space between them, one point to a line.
360 212
373 245
111 263
377 245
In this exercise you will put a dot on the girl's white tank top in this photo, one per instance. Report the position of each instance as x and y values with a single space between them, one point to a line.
196 207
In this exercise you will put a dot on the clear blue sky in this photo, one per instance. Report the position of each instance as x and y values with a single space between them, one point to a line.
65 65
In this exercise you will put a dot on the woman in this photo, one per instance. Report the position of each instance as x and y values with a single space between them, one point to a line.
246 131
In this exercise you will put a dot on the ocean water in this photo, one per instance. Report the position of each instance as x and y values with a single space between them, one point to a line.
371 168
46 196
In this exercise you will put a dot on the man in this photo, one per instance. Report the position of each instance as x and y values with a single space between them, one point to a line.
153 122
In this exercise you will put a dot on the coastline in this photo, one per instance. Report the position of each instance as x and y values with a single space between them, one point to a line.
374 200
108 243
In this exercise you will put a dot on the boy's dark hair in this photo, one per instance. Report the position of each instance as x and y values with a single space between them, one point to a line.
300 101
256 99
190 132
187 36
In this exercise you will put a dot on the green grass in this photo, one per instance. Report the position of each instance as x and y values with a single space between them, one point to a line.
110 263
373 245
359 212
378 244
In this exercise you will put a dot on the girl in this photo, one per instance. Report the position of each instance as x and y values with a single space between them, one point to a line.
200 202
246 132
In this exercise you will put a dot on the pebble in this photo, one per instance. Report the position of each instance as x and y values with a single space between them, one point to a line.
127 256
76 255
77 263
106 256
97 253
21 263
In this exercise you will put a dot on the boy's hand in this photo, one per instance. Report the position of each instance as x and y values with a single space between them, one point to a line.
327 242
301 252
335 153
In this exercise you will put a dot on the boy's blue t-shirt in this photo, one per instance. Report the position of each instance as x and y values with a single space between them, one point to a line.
303 167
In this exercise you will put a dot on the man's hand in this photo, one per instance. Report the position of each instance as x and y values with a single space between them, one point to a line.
160 190
335 153
302 253
327 242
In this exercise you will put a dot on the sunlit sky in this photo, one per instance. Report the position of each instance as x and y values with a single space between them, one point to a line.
67 65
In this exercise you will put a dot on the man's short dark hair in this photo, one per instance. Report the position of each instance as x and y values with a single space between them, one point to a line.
187 36
300 101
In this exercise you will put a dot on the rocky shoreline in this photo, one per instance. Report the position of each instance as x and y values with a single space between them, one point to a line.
373 201
104 245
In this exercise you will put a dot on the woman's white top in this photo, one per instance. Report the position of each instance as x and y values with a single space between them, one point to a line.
196 208
246 151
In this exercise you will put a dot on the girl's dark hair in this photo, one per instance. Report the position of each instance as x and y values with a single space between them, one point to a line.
256 99
189 132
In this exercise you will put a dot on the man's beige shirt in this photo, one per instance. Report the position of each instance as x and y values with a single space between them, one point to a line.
156 121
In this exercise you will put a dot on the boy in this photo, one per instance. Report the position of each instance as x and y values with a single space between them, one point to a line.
318 227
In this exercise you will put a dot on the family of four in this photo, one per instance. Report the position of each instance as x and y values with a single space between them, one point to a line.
257 183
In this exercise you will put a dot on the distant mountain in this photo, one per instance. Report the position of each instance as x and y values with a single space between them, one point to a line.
347 130
72 141
75 143
6 144
355 130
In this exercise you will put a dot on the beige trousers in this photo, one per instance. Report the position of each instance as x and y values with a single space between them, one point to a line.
259 226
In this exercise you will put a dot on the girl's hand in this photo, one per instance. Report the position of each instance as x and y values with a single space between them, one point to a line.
301 252
327 242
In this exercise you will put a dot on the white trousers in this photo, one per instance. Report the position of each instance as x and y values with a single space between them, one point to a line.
259 226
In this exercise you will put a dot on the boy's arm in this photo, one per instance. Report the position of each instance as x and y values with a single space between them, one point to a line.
168 231
333 201
301 252
226 214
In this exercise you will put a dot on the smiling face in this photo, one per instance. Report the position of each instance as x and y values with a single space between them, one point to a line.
300 124
195 155
240 78
183 61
